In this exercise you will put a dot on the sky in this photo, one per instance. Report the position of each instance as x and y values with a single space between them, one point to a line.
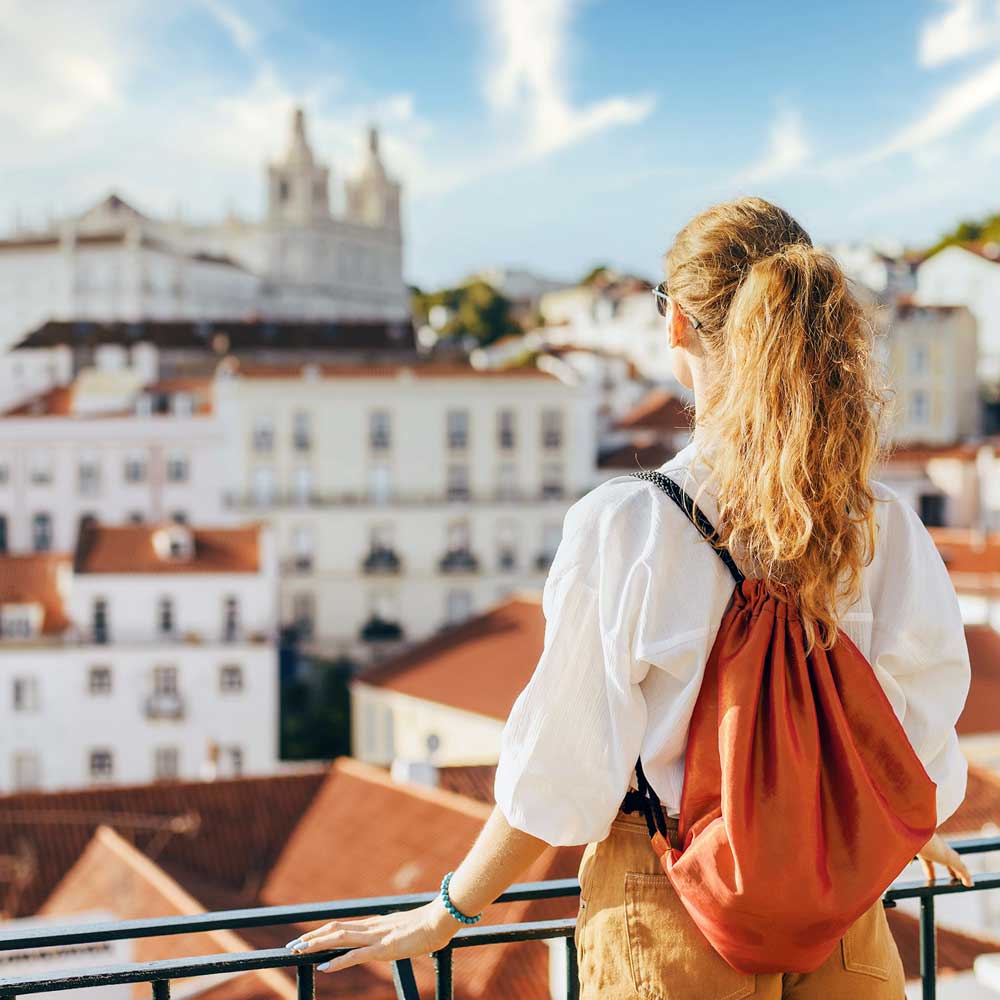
548 134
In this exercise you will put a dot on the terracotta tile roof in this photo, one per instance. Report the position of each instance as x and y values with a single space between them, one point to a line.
57 402
918 451
235 336
46 242
982 707
956 951
981 808
37 579
658 410
635 456
130 548
226 835
480 666
426 370
199 388
966 553
476 781
366 835
113 875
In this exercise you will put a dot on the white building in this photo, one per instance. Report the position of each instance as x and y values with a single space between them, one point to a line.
301 261
405 497
116 444
881 270
970 277
148 655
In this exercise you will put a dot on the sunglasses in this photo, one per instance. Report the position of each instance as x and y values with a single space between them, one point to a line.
662 297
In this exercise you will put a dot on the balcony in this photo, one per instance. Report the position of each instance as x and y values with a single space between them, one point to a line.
502 496
543 561
378 629
165 705
381 560
458 561
160 973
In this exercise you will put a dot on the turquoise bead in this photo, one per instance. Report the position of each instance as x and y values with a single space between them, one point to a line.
450 907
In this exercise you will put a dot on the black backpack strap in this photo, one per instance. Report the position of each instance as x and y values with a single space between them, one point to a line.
693 512
651 806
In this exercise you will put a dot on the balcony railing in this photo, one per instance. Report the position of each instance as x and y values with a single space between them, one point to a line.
159 974
504 495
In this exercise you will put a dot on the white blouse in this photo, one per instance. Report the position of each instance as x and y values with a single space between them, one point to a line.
632 604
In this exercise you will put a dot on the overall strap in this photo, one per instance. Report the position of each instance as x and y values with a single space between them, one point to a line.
693 512
651 806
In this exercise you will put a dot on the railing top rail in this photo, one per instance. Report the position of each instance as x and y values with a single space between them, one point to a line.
261 916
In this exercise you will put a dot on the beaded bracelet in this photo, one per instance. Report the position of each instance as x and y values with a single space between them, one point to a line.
450 906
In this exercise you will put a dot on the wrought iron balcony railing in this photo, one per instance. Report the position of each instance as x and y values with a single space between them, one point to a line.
160 973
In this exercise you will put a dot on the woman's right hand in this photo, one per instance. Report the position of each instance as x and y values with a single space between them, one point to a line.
937 851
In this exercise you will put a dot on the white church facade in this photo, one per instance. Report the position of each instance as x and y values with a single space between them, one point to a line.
302 261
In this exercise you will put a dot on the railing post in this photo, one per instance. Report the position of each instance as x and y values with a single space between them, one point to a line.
161 989
572 972
404 980
442 966
305 980
928 948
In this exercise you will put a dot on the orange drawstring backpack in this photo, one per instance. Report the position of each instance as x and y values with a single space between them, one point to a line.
802 797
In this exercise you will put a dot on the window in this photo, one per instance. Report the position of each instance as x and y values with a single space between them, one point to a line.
25 696
3 533
458 429
101 765
22 620
506 481
506 546
178 517
136 517
135 467
232 757
918 359
165 681
4 472
379 433
552 428
263 485
458 482
304 613
230 678
99 620
458 537
178 467
458 606
165 616
303 544
26 771
40 473
303 484
230 619
918 406
552 480
505 430
41 532
183 404
166 763
88 474
99 680
301 431
263 433
380 483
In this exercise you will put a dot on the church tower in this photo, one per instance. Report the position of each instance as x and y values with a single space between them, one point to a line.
372 198
298 189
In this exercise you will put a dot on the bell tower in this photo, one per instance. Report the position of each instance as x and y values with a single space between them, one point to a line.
298 189
372 197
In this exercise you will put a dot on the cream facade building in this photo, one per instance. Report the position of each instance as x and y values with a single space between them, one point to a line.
404 498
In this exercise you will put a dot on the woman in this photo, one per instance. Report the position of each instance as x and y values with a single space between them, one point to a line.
777 351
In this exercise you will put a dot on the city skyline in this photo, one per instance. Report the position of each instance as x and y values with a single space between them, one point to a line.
552 134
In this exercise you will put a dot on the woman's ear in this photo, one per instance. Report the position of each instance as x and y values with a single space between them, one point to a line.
679 328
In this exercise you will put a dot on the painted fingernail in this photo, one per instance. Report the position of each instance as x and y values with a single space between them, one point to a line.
293 945
325 967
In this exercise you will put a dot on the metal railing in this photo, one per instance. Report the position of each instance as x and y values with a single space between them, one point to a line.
160 973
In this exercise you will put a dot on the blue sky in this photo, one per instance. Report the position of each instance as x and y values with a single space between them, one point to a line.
552 134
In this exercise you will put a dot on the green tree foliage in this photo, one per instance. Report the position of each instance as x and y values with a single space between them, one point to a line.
970 231
594 273
477 309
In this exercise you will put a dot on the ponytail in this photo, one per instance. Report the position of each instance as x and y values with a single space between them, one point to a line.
793 407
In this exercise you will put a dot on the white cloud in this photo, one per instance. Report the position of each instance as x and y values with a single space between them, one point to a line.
963 28
526 80
240 31
788 150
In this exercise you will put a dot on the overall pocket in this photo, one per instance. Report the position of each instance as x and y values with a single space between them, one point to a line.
670 958
868 947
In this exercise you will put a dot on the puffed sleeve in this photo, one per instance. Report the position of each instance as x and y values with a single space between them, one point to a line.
571 741
919 649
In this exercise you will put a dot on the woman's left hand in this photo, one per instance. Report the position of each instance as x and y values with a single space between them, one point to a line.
381 938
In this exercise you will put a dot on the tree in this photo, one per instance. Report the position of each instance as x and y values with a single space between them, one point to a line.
478 311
